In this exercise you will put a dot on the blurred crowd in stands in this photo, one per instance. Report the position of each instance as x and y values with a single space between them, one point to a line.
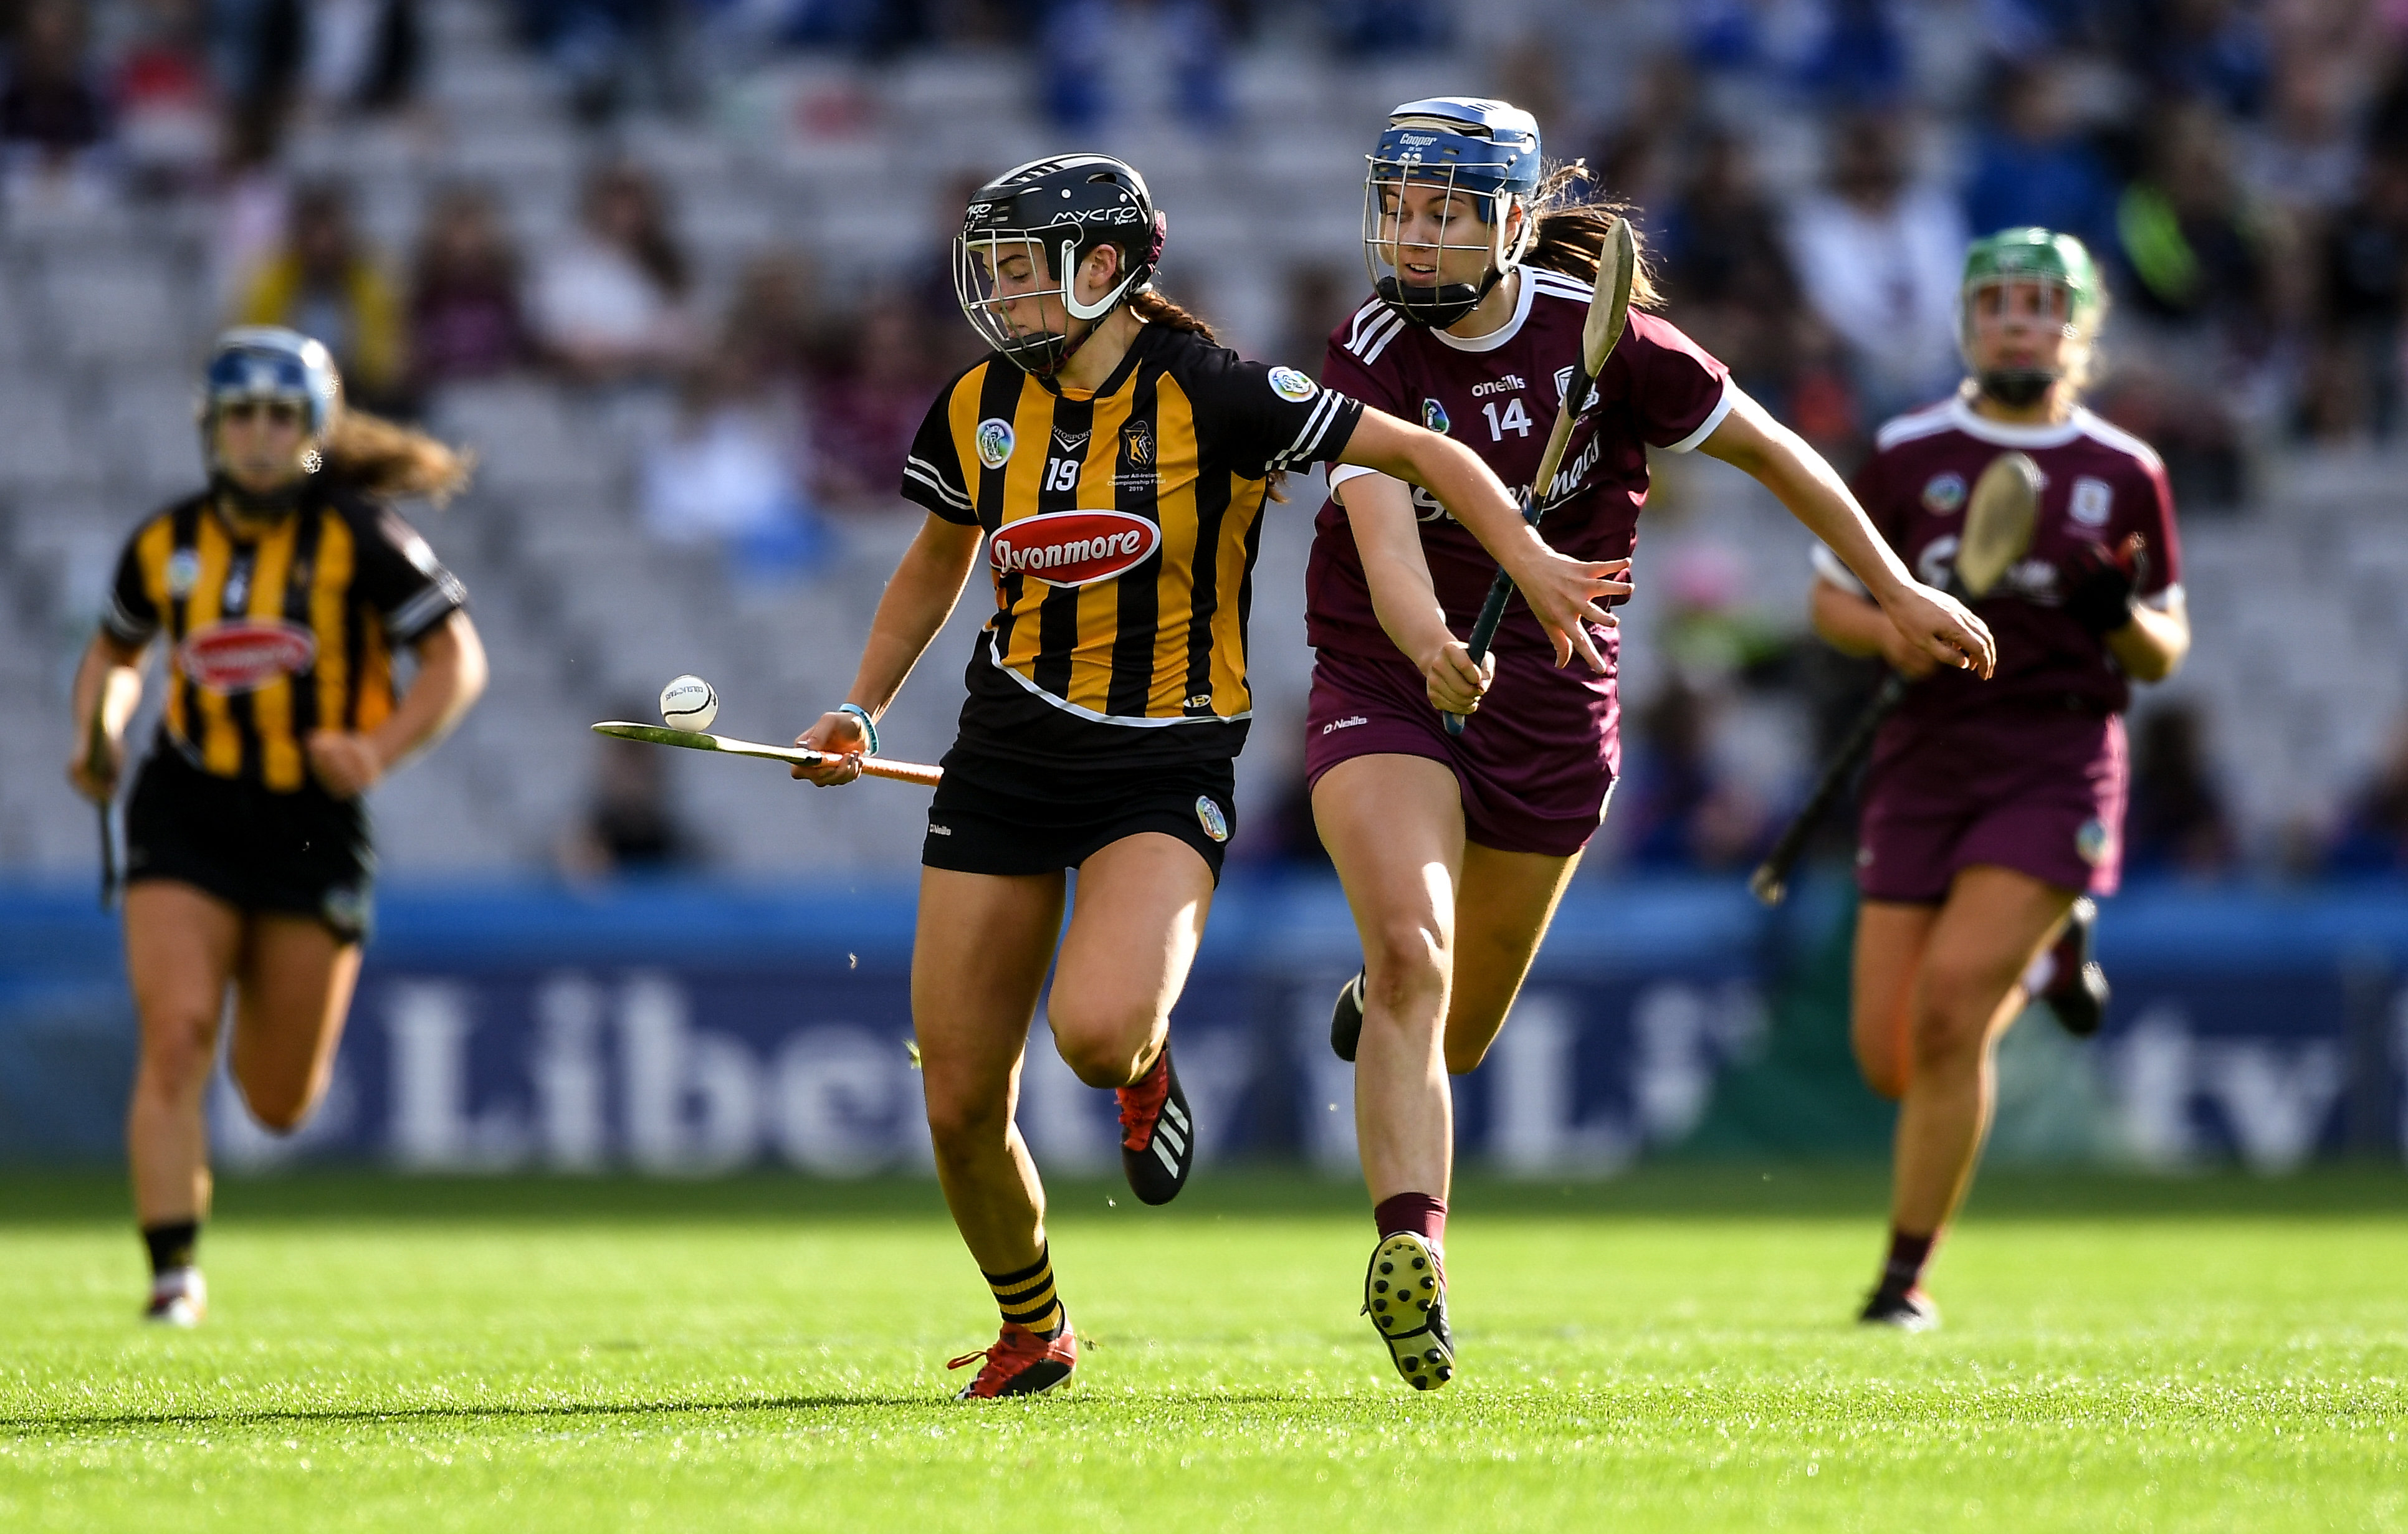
2241 166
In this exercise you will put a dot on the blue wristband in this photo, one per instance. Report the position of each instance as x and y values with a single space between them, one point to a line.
869 725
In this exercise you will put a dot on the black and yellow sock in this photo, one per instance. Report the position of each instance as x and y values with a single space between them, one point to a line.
1026 1295
171 1245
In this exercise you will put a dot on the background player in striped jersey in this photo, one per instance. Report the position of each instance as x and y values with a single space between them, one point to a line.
1117 460
1454 850
1990 814
281 593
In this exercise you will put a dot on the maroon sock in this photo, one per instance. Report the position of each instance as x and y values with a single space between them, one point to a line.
1908 1255
1416 1213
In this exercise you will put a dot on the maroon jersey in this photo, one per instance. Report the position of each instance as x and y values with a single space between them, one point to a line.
2101 485
1498 394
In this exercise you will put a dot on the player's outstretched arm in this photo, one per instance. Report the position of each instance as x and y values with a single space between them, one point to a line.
452 674
1561 591
1779 459
920 597
1387 536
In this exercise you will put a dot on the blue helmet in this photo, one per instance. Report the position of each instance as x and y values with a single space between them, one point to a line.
1470 144
269 362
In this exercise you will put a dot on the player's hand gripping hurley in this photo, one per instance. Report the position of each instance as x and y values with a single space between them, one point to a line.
871 766
1998 521
1608 310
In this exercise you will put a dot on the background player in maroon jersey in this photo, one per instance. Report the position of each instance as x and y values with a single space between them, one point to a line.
1107 694
1454 851
1988 812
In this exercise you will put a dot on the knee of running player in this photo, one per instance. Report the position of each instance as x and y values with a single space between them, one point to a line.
1106 1040
1468 1041
176 1055
1405 961
280 1100
1954 1004
963 1119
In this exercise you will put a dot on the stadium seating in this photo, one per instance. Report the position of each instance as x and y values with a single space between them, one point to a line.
2299 663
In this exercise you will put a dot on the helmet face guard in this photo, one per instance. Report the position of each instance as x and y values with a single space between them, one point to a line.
2049 277
1478 162
253 364
1045 217
991 299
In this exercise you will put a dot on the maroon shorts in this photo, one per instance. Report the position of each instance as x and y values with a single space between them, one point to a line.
1536 762
2037 789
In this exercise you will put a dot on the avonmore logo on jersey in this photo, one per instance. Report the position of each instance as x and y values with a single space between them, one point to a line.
246 653
1074 547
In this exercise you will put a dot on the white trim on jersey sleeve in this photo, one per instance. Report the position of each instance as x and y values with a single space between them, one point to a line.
1375 339
920 471
1829 569
1713 418
1316 425
2168 599
124 626
1365 319
1341 473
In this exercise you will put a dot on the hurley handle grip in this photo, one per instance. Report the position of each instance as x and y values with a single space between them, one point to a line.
1770 880
1491 613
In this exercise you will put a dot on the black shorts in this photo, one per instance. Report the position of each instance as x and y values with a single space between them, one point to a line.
304 854
1006 818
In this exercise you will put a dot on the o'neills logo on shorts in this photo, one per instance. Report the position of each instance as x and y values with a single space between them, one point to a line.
246 653
1074 547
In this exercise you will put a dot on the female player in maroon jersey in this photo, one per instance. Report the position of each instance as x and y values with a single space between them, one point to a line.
1454 850
1990 814
1117 462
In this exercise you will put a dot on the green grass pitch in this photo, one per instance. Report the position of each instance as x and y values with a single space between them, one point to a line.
1669 1352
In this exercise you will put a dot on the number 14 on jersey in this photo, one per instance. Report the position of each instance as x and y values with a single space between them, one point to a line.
1512 419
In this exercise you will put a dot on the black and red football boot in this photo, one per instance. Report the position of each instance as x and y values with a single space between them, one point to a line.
1022 1362
1157 1133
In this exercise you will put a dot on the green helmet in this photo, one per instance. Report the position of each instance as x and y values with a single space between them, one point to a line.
2035 254
2041 254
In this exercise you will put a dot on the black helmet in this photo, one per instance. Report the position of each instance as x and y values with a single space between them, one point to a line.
1055 211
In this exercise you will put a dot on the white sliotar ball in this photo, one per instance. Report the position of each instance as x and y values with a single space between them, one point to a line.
689 704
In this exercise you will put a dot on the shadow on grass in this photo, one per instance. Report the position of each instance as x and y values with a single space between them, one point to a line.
68 1424
1694 1190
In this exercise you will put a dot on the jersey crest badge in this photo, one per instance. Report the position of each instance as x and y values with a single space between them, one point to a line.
1942 494
1291 385
1137 444
2090 842
1564 386
2093 501
184 572
1208 814
1434 417
994 442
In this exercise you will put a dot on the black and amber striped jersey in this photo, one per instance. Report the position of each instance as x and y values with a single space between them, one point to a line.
275 631
1122 530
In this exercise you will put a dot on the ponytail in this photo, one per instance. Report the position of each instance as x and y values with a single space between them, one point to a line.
1154 309
383 458
1572 229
